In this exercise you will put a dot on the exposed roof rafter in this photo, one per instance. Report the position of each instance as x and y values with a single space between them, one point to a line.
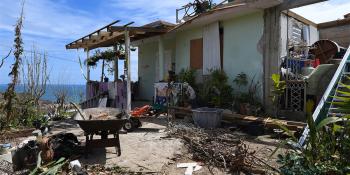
109 35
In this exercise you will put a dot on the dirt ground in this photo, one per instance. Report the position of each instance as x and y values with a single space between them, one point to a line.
143 150
149 150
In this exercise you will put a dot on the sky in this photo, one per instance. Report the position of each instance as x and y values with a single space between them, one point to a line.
51 24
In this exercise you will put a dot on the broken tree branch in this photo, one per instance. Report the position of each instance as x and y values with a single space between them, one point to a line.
3 59
220 148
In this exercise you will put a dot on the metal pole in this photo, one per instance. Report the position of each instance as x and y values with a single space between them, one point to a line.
127 58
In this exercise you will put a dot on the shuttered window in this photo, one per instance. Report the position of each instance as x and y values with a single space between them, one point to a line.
196 53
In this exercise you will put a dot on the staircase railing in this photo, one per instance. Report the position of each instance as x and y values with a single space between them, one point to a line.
321 107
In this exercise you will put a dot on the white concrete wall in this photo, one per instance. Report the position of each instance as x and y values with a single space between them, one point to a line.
183 38
241 53
147 67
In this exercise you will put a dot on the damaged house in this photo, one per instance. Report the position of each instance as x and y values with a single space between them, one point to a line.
231 38
250 36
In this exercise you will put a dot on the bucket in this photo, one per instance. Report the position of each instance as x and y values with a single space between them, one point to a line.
207 117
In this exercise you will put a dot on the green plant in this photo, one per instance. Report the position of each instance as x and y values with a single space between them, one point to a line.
188 76
278 88
241 80
327 149
251 95
51 168
216 91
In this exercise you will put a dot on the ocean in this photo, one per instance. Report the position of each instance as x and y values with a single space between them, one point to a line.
75 93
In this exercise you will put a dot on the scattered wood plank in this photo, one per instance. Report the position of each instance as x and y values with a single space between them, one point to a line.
268 122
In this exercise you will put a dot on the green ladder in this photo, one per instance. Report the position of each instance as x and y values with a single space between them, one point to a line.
335 88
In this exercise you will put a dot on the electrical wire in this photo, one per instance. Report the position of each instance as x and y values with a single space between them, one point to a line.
49 56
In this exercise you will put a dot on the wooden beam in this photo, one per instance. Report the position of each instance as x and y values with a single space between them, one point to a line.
290 4
299 18
96 31
96 41
137 29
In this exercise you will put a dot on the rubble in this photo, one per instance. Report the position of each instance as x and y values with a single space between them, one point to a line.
219 148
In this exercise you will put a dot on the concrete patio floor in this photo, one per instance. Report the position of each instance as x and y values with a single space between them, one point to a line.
143 150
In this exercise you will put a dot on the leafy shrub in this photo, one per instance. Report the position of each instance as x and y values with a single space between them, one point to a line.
216 91
327 150
189 76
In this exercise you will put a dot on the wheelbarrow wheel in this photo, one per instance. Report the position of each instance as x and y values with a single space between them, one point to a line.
129 126
137 123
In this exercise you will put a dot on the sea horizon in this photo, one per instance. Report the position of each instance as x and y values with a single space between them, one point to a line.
75 92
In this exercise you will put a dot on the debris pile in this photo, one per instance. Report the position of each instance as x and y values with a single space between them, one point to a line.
26 155
219 147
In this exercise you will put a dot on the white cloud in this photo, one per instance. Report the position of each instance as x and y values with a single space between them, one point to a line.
325 11
145 11
48 19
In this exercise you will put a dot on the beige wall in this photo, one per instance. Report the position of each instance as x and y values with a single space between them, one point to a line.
148 65
241 47
183 38
240 51
146 69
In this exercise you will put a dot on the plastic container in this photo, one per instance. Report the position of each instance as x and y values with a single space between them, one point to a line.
207 117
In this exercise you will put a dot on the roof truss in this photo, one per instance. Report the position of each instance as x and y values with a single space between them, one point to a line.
110 35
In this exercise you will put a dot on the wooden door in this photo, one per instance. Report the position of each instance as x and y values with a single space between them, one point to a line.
196 53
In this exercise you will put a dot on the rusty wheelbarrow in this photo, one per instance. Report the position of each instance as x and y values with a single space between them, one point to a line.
102 128
103 122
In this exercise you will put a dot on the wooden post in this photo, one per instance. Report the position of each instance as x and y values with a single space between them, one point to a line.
87 66
161 58
127 58
103 70
116 68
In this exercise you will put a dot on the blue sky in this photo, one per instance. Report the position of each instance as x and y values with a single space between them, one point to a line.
51 24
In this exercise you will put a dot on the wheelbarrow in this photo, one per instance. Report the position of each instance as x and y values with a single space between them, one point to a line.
102 128
103 122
